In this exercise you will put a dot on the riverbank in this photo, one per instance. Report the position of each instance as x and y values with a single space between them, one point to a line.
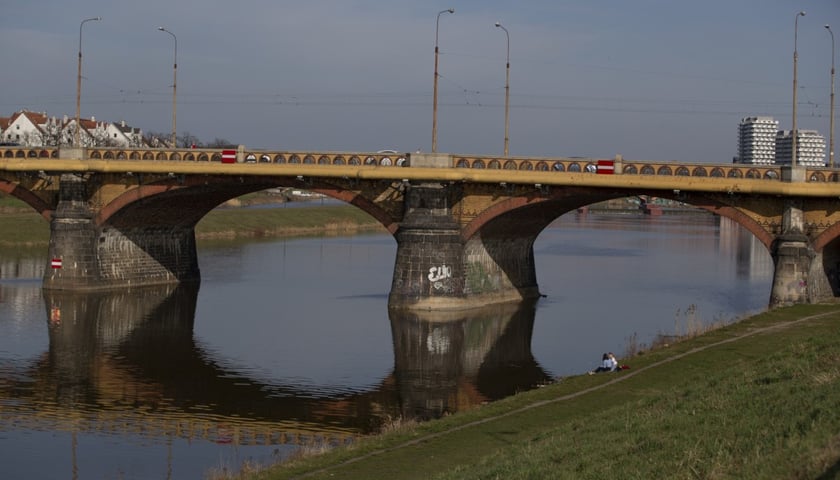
754 399
22 227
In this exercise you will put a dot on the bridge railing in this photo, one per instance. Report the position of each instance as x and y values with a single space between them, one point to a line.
396 159
625 167
382 158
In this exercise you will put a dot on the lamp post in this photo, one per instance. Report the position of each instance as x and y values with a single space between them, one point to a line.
434 93
174 88
831 120
795 56
507 90
77 136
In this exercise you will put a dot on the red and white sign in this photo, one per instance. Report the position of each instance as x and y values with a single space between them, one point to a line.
606 167
228 156
55 263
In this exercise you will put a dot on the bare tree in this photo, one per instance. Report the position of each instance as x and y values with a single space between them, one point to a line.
220 143
188 140
50 133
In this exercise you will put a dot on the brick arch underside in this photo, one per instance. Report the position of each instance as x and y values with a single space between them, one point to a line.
502 237
28 197
532 214
173 204
499 243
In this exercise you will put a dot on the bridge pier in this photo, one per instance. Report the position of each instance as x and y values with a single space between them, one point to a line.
87 256
428 271
436 269
793 259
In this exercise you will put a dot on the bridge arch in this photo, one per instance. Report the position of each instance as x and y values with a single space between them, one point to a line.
569 199
27 196
151 203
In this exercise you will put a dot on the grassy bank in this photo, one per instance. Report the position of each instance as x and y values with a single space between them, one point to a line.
756 399
21 226
229 223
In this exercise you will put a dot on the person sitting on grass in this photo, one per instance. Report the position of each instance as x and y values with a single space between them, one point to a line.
607 364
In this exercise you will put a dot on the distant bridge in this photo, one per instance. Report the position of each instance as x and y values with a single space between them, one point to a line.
465 225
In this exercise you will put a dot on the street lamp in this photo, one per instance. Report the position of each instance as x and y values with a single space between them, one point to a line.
507 89
795 56
831 121
77 137
174 87
434 93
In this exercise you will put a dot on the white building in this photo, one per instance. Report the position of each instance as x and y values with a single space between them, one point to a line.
757 140
810 148
33 129
24 128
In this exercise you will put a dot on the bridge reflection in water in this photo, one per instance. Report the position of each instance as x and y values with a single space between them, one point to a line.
126 363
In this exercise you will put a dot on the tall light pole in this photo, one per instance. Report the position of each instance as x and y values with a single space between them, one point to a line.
434 93
77 136
831 120
174 88
507 90
795 57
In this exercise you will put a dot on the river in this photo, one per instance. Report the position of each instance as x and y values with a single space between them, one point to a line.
289 344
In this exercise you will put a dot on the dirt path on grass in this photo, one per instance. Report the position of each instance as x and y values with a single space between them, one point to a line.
620 377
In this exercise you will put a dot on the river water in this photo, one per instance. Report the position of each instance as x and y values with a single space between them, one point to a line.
289 344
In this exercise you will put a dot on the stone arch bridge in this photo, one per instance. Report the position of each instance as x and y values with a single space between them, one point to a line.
465 225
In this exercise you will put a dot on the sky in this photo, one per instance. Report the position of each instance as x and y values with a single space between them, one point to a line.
658 80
